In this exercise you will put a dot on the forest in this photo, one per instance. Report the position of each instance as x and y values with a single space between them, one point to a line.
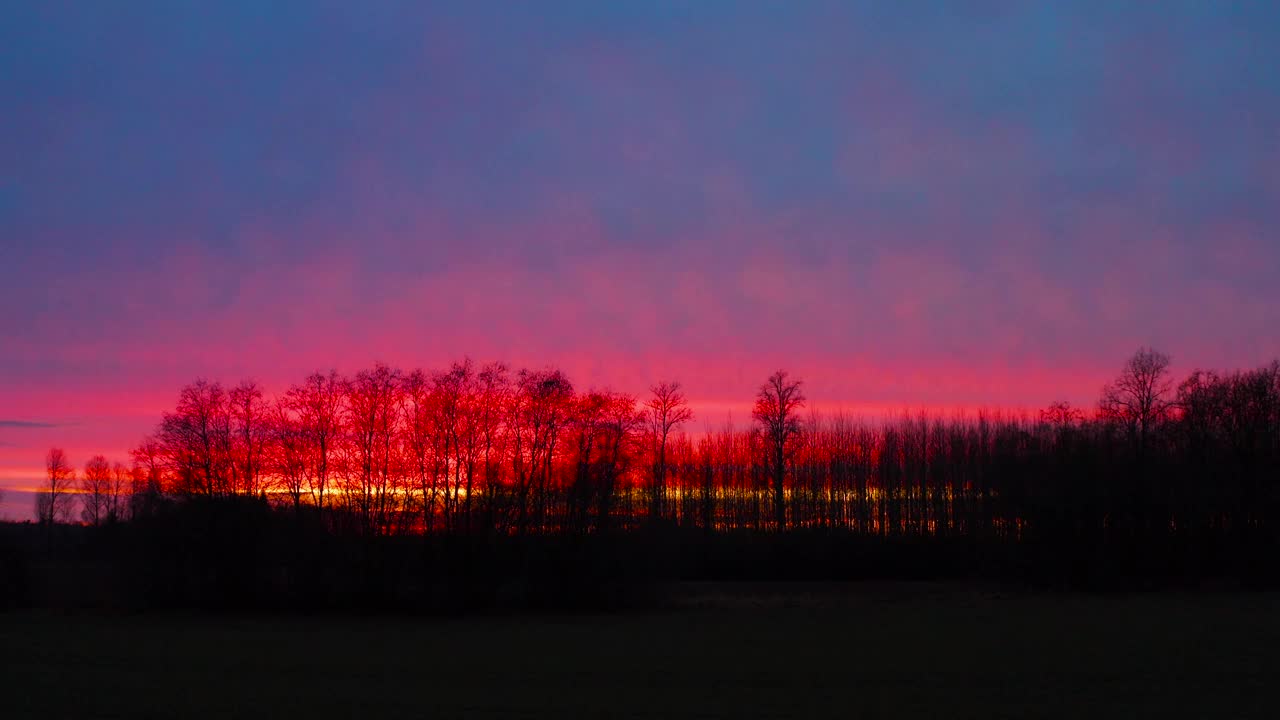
395 484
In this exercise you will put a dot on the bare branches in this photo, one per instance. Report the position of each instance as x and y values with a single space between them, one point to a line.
53 502
666 410
777 407
1139 398
1062 414
374 468
318 403
777 411
94 489
667 407
248 410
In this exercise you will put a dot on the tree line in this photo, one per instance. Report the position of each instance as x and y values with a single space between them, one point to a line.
479 448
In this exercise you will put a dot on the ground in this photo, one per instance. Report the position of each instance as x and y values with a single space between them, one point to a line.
714 651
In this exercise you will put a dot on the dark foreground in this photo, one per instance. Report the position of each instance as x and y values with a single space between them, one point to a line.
716 651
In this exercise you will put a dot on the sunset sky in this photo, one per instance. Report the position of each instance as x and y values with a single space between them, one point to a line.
926 205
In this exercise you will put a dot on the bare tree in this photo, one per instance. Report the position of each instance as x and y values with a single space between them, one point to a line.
619 425
196 440
777 410
286 457
53 502
538 413
456 398
585 418
1061 414
1140 397
493 393
248 413
148 477
424 461
374 473
118 494
318 403
665 411
95 490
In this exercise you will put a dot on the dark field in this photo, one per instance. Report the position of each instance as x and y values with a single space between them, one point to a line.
716 651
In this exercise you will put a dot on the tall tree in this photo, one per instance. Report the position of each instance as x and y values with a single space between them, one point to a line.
53 502
665 411
248 416
620 423
456 399
423 460
197 440
118 499
286 456
538 414
1140 397
777 410
319 405
374 468
493 394
148 477
95 490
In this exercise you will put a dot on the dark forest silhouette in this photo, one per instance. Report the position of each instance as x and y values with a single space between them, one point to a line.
519 477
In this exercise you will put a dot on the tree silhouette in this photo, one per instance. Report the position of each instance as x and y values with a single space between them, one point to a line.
53 501
286 451
149 468
120 488
95 490
1139 398
248 418
1062 414
318 403
373 464
498 469
197 438
666 410
777 410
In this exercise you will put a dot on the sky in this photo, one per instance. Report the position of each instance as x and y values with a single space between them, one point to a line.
921 205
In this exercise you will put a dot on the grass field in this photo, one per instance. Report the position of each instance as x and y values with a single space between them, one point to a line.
717 652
